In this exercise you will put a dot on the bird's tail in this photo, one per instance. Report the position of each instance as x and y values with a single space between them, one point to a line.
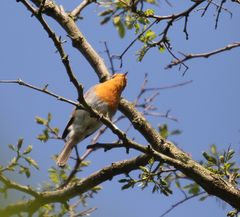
65 153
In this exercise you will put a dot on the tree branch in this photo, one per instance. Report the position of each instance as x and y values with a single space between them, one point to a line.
43 90
181 202
13 185
59 196
76 12
203 55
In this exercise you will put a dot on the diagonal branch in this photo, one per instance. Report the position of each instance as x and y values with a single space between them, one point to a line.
181 202
76 11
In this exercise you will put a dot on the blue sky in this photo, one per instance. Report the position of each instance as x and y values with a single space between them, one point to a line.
207 109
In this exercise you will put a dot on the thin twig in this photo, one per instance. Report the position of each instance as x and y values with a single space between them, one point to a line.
181 202
43 90
169 86
58 44
131 44
76 12
109 57
202 55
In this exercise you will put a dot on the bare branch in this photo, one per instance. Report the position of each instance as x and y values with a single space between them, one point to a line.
169 86
76 12
43 90
181 202
203 55
109 57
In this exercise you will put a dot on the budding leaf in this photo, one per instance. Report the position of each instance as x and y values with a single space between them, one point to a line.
20 142
40 120
27 150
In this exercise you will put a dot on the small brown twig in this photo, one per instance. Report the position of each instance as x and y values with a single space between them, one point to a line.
109 57
202 55
43 90
76 11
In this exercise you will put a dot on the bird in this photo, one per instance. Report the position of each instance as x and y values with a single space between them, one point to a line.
104 98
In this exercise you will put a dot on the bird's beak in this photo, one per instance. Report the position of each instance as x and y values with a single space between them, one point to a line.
125 74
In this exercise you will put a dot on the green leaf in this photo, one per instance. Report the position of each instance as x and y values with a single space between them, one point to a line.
25 170
56 130
141 53
121 30
193 188
214 149
209 158
106 12
230 154
129 21
11 147
163 130
42 137
32 162
149 12
144 169
143 20
221 158
40 120
163 182
151 161
12 164
54 178
175 132
96 188
126 186
203 197
116 20
123 180
20 142
166 191
137 27
27 150
105 20
151 1
49 118
150 35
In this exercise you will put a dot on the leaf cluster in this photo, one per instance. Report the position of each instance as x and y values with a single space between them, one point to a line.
222 163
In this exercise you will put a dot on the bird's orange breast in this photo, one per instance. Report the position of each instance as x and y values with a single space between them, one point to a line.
109 94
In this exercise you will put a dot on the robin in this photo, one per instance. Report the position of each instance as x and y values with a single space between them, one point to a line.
104 98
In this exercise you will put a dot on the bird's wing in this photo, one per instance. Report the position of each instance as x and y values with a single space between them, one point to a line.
88 95
66 130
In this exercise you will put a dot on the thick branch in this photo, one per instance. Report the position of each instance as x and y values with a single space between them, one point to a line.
81 187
